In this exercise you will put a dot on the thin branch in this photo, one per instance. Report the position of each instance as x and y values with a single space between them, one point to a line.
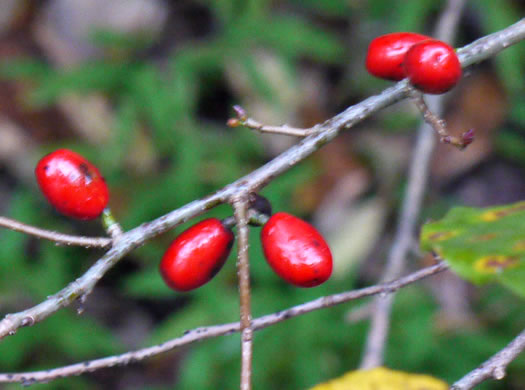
495 367
439 125
410 209
490 45
84 284
240 206
253 182
75 290
203 333
59 238
243 120
475 52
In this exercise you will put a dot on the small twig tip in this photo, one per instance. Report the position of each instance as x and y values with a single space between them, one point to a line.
233 122
467 137
240 112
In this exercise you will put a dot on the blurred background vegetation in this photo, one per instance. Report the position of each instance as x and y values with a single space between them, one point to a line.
143 88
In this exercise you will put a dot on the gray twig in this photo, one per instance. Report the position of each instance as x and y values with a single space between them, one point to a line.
59 238
494 367
240 206
324 133
243 120
204 333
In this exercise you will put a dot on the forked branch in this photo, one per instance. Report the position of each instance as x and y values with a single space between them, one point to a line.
127 241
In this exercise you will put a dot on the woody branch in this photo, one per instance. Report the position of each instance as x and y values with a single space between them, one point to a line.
320 135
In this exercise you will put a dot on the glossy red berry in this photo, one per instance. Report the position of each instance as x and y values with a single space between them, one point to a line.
386 53
196 255
72 184
296 251
432 66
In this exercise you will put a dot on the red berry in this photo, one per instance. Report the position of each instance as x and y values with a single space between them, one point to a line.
296 251
72 184
385 54
432 66
196 255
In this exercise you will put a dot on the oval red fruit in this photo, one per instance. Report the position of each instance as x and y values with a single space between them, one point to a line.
385 54
72 184
196 255
296 251
432 66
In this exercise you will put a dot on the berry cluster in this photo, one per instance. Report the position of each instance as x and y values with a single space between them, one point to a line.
431 65
292 247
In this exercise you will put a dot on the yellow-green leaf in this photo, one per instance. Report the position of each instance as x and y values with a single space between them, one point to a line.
482 244
381 378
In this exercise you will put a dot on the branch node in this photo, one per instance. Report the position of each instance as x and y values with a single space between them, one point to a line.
499 373
111 225
81 303
27 321
28 382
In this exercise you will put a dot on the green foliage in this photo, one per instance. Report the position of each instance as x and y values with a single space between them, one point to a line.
157 112
450 354
409 15
482 245
120 43
511 145
496 16
328 7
